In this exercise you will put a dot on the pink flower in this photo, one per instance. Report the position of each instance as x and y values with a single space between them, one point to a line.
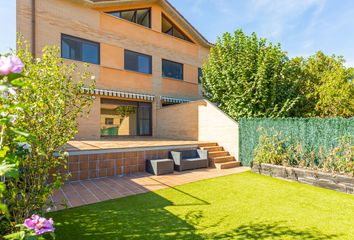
10 64
39 224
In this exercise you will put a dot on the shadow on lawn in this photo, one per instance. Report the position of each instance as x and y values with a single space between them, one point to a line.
146 216
137 217
276 230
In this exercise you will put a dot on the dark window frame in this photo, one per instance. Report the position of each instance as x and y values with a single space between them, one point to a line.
200 75
134 15
146 55
174 26
82 40
109 121
166 60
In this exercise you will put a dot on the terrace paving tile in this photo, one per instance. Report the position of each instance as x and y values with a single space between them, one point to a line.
90 191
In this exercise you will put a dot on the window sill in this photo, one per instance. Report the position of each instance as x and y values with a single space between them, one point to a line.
171 78
74 60
132 71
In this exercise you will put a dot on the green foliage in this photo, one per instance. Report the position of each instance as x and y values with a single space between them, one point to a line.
12 137
54 100
278 150
312 134
125 111
329 88
249 77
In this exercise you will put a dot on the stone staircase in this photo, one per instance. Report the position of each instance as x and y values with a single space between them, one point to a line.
218 157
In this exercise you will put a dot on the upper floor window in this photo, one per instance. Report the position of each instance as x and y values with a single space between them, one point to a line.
200 75
169 28
80 49
172 69
139 16
137 62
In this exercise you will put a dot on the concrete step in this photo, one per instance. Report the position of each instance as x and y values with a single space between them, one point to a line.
226 165
218 154
208 144
222 159
213 148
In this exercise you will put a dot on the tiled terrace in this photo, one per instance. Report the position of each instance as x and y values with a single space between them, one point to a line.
126 143
84 192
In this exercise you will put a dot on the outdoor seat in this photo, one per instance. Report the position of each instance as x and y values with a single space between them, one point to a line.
190 159
159 166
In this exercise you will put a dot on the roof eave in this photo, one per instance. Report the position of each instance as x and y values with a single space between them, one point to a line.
165 3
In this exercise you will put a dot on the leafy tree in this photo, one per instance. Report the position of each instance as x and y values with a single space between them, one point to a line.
249 77
329 87
53 94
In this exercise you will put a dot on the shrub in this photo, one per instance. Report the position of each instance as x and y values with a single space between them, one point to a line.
55 100
278 150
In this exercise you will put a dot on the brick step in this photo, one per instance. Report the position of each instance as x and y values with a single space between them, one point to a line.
213 149
208 144
222 159
218 154
226 165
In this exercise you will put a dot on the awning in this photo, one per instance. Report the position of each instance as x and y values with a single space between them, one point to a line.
120 94
165 99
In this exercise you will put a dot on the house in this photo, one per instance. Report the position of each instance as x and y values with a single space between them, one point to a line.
147 60
144 54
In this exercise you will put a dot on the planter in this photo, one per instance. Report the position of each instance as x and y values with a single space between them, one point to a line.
339 183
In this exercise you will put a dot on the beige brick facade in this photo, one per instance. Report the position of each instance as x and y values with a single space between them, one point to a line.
56 17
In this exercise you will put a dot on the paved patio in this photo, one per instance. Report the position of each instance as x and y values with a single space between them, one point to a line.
126 143
84 192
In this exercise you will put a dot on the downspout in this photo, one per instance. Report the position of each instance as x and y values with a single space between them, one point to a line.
34 28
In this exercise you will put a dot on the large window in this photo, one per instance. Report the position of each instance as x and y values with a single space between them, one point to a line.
169 28
139 16
80 49
137 62
172 69
125 118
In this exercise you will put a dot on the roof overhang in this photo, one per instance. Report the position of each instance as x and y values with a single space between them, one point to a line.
167 7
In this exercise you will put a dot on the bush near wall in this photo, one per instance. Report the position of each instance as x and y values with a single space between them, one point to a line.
312 133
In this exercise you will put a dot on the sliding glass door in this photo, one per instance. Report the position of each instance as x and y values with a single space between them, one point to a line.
125 118
144 119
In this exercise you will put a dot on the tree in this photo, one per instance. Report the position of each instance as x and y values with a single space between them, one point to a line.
249 77
329 87
54 96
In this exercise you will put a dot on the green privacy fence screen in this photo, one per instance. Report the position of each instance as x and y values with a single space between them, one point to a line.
310 132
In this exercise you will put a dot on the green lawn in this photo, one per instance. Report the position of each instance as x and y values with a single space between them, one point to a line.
239 206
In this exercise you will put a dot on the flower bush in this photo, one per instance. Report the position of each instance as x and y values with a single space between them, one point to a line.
39 224
34 228
39 111
277 150
11 135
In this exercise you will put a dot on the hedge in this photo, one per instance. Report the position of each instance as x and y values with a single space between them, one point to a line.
312 133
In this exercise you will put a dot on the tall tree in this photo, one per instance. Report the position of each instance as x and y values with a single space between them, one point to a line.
329 86
249 77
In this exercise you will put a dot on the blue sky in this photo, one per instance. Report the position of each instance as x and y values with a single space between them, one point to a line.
301 26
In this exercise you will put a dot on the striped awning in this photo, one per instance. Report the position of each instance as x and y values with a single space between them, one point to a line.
165 99
120 94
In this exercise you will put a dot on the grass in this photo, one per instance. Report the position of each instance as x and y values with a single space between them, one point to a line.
239 206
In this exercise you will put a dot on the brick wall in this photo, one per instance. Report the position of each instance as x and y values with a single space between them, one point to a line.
87 166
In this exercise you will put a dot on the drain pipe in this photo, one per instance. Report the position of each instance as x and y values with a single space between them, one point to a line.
33 29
